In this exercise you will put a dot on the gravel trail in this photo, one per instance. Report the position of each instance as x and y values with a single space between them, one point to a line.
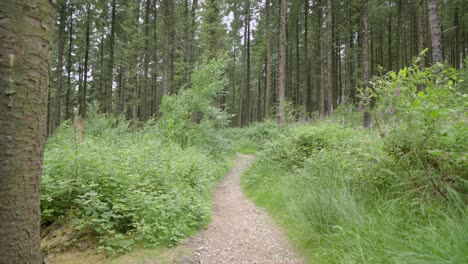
239 232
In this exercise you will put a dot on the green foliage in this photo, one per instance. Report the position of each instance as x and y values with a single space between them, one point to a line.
133 188
324 182
182 113
422 114
249 139
149 186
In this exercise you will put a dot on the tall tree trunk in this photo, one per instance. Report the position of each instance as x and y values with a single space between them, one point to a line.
365 58
168 7
26 38
102 82
456 39
282 62
68 104
234 82
331 50
436 32
111 62
297 94
122 84
247 92
61 51
136 84
268 61
259 97
350 56
307 89
83 103
186 43
193 30
399 32
414 29
144 93
154 88
421 34
321 88
390 57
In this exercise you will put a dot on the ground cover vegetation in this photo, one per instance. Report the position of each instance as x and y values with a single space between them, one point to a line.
148 185
393 194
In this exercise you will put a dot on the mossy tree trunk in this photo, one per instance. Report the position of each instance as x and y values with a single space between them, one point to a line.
26 28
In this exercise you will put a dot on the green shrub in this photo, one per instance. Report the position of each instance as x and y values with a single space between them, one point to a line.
337 191
149 185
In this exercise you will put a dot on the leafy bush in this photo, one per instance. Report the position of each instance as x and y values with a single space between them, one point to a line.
138 188
149 186
425 129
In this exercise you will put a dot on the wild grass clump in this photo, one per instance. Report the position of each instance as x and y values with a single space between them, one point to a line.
396 193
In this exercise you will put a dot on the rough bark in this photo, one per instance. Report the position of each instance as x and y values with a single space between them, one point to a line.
26 29
282 62
435 29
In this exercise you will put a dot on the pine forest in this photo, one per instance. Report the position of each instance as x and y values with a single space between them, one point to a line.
233 131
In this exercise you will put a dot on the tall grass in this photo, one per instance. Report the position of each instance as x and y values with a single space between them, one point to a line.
331 201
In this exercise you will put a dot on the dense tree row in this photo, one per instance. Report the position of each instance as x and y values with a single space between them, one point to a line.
122 57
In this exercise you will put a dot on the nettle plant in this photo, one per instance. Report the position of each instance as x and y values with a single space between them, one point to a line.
421 114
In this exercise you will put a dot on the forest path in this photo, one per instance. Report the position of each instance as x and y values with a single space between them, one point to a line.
239 232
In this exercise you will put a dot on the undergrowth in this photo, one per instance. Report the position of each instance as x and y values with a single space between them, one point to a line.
396 193
148 185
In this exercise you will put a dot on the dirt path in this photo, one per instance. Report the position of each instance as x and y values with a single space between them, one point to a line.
239 232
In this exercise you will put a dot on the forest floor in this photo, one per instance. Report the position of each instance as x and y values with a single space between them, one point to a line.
239 232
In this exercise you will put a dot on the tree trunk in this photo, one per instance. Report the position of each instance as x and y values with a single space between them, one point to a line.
456 39
154 88
282 62
399 32
268 61
68 104
248 109
330 57
144 93
26 36
111 62
321 90
365 58
390 59
61 51
436 32
83 103
307 89
168 7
